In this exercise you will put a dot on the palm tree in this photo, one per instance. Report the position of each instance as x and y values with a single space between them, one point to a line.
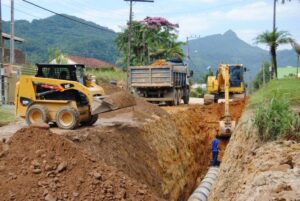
273 40
274 11
296 47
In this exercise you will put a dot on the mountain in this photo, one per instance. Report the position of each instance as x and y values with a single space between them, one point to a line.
229 48
69 36
74 38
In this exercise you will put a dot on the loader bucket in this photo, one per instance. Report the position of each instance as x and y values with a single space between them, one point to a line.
112 102
226 127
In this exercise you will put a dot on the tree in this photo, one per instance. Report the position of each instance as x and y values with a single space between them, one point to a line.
274 11
262 76
273 40
153 38
57 55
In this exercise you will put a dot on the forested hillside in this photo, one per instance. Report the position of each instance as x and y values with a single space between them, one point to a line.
69 36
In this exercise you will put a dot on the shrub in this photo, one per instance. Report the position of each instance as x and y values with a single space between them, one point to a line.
197 92
105 76
274 120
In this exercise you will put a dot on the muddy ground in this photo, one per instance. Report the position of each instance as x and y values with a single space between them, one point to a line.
162 152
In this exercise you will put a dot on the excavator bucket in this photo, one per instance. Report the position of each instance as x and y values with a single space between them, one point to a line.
226 127
112 102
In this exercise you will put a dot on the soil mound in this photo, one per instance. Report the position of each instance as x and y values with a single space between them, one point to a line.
39 165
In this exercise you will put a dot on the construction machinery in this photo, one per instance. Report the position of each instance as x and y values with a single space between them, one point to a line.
162 81
64 95
228 83
216 85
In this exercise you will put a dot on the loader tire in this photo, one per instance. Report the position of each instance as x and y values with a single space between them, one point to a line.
36 114
90 121
67 118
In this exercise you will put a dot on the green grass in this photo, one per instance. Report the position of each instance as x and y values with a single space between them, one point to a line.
105 76
285 72
6 115
288 88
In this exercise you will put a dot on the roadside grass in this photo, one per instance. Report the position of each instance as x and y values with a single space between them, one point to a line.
6 115
105 76
288 88
273 117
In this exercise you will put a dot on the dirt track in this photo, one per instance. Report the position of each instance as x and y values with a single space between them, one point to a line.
165 149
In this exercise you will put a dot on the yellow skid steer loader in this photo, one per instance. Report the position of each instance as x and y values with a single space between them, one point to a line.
62 94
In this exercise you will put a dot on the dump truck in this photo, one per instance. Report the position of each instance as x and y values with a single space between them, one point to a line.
216 85
64 95
162 81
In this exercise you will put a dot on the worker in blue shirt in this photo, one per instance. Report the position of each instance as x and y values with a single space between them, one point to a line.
215 151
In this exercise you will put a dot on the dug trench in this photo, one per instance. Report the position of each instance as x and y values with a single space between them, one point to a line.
168 149
138 153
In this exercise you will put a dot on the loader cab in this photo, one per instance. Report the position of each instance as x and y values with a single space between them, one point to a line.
72 72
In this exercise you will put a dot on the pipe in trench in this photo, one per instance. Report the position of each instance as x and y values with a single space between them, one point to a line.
202 191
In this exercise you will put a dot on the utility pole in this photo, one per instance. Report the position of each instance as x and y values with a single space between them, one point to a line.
130 33
188 52
1 57
188 58
12 34
130 26
263 71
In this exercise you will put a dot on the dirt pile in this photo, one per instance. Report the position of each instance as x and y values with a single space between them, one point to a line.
165 151
39 165
252 170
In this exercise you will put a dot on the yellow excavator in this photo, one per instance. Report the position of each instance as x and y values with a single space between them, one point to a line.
228 83
64 95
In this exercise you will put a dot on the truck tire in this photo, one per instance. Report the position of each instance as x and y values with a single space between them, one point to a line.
178 96
186 97
36 114
175 98
90 121
67 118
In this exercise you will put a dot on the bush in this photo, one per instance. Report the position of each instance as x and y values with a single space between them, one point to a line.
274 120
197 92
107 75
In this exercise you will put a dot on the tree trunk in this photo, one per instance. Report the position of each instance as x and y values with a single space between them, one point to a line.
274 62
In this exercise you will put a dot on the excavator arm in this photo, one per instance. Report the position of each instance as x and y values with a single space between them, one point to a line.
226 123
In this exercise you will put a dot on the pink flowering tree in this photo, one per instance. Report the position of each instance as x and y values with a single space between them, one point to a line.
152 38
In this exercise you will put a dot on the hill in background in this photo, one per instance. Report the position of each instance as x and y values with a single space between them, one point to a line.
69 36
77 39
229 48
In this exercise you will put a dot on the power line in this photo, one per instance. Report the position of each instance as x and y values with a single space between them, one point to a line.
67 17
20 11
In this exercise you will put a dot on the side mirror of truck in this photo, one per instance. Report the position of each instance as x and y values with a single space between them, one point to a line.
191 73
245 69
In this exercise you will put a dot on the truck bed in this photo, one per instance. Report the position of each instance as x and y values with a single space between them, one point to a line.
154 76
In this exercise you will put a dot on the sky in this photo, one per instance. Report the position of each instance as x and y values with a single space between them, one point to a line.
196 18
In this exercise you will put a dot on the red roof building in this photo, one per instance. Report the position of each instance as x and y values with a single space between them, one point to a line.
88 62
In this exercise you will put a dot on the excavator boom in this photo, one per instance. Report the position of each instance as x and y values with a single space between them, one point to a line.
226 124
